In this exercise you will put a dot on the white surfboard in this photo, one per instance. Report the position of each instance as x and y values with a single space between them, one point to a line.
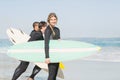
18 36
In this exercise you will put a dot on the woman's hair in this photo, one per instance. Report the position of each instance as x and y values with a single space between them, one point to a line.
51 15
48 20
42 24
35 23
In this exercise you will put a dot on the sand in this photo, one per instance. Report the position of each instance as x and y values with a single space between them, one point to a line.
74 70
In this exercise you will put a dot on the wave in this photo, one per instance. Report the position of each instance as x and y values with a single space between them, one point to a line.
107 54
5 43
3 50
103 42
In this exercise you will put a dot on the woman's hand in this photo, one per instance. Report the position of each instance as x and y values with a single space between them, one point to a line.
47 60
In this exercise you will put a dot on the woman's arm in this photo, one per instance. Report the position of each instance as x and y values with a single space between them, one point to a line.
47 39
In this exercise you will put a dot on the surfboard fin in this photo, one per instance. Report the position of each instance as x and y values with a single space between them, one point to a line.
13 40
21 31
61 65
11 31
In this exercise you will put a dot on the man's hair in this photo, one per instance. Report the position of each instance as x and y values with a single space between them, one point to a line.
42 24
35 23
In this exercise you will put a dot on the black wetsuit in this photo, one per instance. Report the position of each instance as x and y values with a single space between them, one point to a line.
35 35
53 67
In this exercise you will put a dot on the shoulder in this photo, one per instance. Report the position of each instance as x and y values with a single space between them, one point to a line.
56 28
36 32
48 29
32 31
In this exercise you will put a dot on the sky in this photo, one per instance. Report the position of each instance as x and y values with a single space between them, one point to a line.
76 18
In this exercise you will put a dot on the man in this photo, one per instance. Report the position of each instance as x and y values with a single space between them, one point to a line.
36 34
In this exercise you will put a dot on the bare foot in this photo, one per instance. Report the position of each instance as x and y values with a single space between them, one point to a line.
29 78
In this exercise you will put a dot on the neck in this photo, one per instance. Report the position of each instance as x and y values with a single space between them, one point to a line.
36 30
42 31
51 26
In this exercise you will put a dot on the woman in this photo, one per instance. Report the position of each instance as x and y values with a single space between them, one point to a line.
51 32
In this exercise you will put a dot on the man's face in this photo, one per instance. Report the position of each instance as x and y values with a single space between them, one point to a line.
43 28
37 27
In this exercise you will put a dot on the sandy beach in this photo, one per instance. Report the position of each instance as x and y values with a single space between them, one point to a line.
74 70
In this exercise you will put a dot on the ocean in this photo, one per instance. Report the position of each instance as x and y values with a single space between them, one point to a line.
103 42
110 49
96 66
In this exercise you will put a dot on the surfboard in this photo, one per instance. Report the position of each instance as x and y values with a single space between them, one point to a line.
60 50
17 36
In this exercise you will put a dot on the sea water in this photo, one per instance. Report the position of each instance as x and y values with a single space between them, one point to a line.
110 49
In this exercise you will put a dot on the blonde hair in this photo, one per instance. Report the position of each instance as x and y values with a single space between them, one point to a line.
51 15
48 20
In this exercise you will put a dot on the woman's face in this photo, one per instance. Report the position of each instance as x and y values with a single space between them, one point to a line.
53 21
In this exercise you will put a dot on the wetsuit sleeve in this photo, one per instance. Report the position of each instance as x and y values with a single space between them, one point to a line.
58 33
34 37
47 40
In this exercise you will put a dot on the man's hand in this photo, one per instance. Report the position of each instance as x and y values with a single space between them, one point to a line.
47 60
